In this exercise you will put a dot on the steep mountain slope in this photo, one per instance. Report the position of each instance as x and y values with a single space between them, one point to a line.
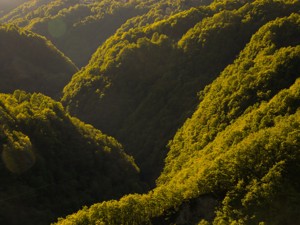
30 62
78 27
237 159
52 164
142 84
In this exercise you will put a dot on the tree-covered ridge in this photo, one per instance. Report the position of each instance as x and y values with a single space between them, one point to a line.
78 27
270 61
236 160
32 63
142 84
52 164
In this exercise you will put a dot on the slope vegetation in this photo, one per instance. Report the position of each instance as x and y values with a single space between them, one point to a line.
78 27
52 164
30 62
142 84
236 160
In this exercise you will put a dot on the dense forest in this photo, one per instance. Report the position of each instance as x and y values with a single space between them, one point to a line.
32 63
145 81
52 159
158 112
78 27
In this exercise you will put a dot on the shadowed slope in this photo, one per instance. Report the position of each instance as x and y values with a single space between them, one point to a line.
236 160
141 85
52 164
30 62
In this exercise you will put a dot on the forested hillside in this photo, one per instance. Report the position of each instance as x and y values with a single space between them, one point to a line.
32 63
142 84
53 164
183 112
236 160
78 27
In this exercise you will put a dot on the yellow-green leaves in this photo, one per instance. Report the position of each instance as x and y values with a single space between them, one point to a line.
18 155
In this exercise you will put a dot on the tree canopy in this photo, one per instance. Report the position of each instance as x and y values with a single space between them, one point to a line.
78 27
187 113
30 62
52 164
142 84
238 154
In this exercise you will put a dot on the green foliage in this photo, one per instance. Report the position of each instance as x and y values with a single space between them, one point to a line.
17 153
235 160
240 147
142 83
52 163
30 62
84 25
260 64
